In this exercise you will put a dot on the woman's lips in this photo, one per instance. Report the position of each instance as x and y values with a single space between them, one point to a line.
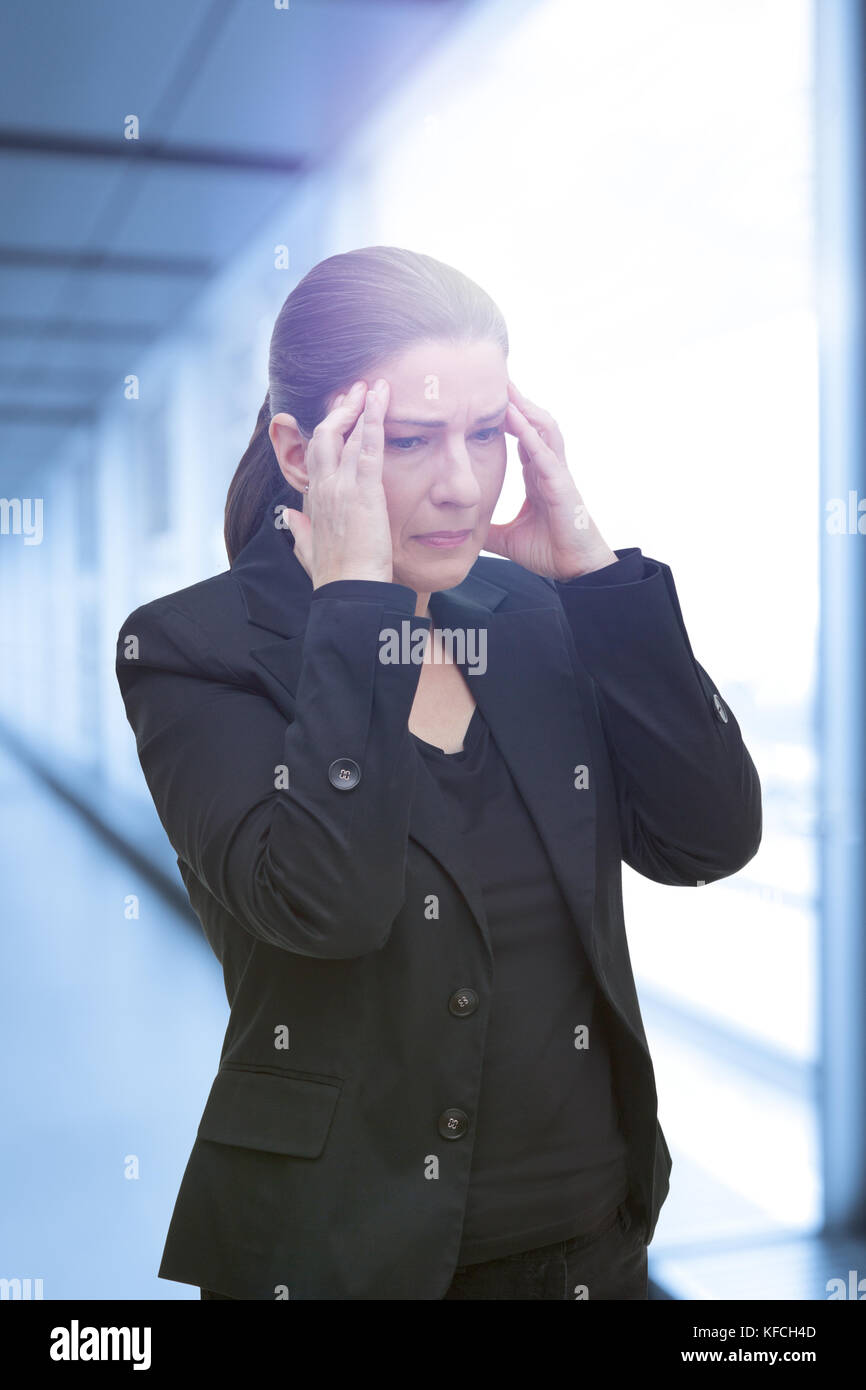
443 539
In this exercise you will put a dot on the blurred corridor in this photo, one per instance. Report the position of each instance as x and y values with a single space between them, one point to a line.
111 1024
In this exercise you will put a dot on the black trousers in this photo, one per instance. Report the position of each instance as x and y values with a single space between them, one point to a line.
606 1263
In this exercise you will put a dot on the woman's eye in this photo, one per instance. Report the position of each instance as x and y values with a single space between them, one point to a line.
410 439
404 444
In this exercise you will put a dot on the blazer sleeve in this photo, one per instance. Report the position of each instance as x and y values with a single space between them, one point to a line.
310 867
688 793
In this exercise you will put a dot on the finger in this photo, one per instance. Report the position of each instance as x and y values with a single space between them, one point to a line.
524 404
346 403
510 428
540 463
326 445
370 458
300 529
367 443
352 446
494 541
541 419
529 408
527 434
539 456
347 407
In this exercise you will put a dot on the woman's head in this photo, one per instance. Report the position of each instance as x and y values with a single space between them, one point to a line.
441 343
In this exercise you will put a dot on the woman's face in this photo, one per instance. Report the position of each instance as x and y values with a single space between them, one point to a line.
444 456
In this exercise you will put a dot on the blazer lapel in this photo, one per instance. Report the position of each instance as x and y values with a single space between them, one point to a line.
528 698
526 693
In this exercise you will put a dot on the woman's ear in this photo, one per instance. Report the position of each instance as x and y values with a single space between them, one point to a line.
290 447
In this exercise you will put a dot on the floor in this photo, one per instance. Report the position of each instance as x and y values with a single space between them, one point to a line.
111 1027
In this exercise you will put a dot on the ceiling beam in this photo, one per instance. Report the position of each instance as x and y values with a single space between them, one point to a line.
29 257
94 330
54 143
47 415
57 376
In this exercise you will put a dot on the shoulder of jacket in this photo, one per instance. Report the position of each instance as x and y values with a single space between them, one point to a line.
188 624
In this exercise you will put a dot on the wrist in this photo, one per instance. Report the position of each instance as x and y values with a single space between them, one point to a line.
588 565
374 578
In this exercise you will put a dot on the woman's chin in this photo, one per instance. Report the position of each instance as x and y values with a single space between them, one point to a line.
444 571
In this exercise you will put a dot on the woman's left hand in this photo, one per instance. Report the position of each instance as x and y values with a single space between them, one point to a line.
553 533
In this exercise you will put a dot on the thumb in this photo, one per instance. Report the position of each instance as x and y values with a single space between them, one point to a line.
300 529
497 539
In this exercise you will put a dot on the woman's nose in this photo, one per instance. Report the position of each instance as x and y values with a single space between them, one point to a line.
456 482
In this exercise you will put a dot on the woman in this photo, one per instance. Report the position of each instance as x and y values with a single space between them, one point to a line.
406 852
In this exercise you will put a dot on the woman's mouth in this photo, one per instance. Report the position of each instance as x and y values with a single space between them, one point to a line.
443 539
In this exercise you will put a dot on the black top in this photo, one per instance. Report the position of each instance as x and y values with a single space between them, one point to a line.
550 1158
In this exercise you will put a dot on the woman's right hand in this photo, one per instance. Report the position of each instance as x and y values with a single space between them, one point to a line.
344 532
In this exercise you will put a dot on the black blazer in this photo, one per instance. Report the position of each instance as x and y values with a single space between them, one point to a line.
333 1155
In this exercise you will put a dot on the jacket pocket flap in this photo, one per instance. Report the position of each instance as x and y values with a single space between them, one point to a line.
281 1113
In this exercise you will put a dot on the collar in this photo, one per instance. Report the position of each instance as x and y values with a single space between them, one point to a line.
277 590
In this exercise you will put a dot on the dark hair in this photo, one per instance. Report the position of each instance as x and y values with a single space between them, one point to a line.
348 314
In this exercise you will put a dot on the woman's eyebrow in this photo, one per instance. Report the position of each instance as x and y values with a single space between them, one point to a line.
440 424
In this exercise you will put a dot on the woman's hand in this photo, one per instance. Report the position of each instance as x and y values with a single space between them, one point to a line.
553 533
344 533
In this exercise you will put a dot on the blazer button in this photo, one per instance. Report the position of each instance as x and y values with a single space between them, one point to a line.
344 773
453 1124
463 1002
720 709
